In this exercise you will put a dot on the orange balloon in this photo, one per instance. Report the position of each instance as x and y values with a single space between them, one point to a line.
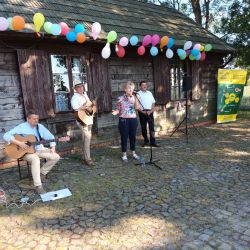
80 38
18 23
164 41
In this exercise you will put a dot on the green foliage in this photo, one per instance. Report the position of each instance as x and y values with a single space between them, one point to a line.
236 28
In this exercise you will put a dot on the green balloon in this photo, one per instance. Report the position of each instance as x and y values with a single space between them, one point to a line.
10 23
48 27
208 47
191 57
112 35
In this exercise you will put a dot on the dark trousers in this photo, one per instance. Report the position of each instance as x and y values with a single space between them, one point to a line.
144 120
127 128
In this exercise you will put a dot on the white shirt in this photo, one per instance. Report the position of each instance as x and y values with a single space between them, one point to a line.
146 99
78 100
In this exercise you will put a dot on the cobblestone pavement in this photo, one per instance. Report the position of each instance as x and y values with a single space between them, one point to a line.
200 200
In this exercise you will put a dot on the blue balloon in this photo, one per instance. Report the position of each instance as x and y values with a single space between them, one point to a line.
79 28
194 52
170 43
154 51
181 53
198 57
56 29
71 36
133 40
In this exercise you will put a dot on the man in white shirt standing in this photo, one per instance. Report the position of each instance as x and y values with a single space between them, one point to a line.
81 101
147 107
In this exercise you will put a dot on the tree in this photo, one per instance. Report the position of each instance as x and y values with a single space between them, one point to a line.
229 19
204 12
236 30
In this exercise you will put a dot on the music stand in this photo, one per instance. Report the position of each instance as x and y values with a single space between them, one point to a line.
150 162
187 86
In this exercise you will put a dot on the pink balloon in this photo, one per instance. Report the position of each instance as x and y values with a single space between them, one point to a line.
65 28
141 50
197 46
146 40
155 39
121 51
123 41
4 24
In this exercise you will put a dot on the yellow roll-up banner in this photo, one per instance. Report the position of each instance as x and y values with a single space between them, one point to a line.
230 90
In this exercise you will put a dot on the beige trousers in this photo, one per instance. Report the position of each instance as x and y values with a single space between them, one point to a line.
86 138
34 160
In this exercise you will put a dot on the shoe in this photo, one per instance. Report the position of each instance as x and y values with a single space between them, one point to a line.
145 144
89 163
44 178
154 145
124 159
40 190
136 157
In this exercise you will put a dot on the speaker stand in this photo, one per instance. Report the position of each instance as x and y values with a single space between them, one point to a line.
186 120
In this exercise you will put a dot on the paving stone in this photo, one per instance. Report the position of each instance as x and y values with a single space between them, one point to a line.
225 246
198 201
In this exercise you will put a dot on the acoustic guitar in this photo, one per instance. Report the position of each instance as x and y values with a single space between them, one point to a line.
13 151
86 116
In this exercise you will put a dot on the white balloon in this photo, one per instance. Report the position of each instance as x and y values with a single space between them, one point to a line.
169 53
188 45
96 29
106 52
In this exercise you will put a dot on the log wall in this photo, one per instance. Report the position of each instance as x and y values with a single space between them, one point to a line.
11 102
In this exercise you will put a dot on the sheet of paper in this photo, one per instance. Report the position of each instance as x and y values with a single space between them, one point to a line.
55 195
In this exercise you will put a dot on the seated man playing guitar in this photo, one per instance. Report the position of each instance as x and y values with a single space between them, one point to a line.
33 127
84 112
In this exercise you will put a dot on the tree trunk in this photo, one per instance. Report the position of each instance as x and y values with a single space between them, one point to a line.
207 13
197 11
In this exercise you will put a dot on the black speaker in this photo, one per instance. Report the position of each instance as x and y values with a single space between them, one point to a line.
187 83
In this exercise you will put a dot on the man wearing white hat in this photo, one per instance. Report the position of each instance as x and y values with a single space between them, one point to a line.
81 102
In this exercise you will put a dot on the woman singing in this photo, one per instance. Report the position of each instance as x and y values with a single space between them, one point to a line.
126 109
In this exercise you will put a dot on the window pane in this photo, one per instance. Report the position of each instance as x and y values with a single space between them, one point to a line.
61 82
176 74
79 71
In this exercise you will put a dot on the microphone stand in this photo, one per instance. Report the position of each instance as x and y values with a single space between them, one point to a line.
150 162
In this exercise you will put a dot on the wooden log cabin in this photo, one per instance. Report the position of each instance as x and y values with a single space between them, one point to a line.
38 72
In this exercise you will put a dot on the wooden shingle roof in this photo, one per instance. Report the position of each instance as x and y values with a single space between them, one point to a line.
126 17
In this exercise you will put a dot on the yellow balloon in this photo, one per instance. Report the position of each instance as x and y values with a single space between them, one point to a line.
38 20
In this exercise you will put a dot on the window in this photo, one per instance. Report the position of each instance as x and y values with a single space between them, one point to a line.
177 70
67 71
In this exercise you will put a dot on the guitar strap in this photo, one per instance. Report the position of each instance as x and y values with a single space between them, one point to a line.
39 136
